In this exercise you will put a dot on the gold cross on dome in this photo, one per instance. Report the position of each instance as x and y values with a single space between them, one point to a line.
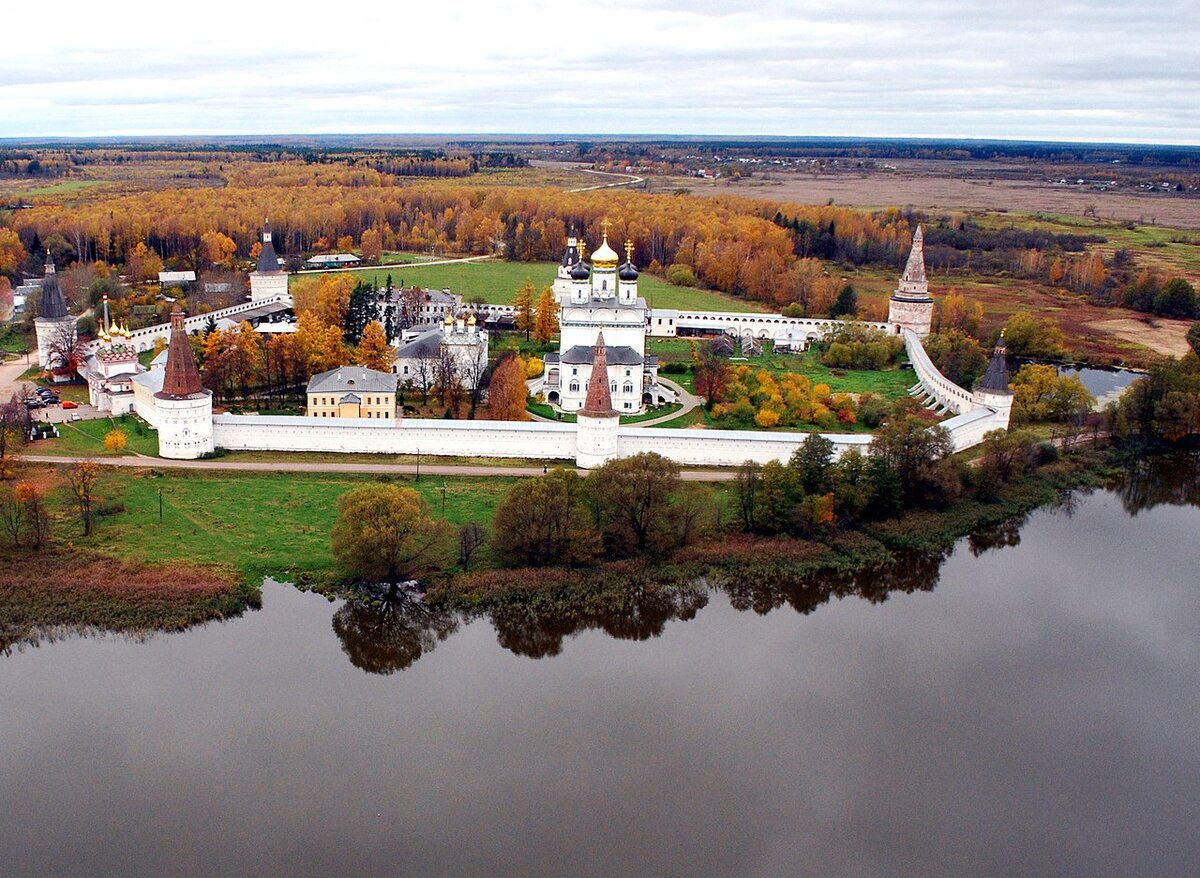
628 250
604 225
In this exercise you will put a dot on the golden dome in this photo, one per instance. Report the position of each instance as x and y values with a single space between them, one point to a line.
471 320
449 321
604 256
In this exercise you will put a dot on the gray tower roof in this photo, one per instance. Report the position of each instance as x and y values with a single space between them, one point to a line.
995 379
268 261
53 306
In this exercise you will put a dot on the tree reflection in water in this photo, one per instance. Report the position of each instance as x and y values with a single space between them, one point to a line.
537 630
1153 480
385 630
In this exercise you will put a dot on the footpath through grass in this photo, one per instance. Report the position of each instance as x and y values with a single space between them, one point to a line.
83 438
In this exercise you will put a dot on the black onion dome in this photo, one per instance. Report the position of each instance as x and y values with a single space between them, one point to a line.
580 271
628 272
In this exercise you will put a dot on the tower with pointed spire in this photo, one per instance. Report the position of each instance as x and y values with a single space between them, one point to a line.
911 307
268 280
184 407
54 320
597 422
993 390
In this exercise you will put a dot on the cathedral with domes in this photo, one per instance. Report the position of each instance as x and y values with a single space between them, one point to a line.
599 304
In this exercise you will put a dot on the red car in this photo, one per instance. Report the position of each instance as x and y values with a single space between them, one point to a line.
70 405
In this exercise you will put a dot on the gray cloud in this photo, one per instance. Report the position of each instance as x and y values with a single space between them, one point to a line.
1022 69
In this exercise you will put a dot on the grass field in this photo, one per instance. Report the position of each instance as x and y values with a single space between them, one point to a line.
81 438
262 523
14 339
892 384
496 282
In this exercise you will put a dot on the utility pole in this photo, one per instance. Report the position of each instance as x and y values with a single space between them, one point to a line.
160 505
418 464
443 498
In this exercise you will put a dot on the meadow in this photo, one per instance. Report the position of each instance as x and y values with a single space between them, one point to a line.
263 524
496 282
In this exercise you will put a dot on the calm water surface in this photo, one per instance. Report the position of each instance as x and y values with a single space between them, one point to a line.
1026 709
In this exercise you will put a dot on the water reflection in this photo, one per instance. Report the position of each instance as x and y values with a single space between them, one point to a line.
1151 481
385 630
538 630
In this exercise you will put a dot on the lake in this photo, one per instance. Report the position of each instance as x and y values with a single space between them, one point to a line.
1026 705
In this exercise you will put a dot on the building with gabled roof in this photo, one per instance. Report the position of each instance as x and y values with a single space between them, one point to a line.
352 392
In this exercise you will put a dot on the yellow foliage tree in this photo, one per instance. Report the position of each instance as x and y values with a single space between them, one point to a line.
218 248
545 324
115 440
371 244
523 307
374 352
508 392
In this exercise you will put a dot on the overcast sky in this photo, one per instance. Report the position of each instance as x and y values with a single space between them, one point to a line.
1038 69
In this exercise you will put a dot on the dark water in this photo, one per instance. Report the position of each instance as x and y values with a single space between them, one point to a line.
1032 707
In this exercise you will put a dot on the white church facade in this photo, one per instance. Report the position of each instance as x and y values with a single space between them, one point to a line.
594 302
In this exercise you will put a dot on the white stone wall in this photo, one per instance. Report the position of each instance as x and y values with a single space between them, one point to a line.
937 386
967 430
726 447
144 339
528 439
666 322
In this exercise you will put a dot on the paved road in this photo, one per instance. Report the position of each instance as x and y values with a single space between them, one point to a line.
394 266
9 372
430 469
689 400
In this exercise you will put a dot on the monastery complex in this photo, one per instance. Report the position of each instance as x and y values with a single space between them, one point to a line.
604 326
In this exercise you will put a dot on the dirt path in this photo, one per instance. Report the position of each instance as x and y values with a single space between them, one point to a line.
430 469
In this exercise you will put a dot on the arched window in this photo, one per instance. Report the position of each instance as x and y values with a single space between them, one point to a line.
628 388
574 386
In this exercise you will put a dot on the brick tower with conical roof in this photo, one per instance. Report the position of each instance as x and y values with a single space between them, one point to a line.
597 423
184 407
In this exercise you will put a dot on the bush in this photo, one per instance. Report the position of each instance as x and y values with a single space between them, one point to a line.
681 275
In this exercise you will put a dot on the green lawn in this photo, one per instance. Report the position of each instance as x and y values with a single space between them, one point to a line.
497 282
263 523
893 383
79 438
14 339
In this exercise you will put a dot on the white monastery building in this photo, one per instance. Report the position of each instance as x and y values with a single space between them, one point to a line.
599 305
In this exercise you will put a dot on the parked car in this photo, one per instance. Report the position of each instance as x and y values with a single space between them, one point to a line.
34 404
75 417
70 405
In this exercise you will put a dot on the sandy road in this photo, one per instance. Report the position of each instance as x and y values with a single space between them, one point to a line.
274 466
